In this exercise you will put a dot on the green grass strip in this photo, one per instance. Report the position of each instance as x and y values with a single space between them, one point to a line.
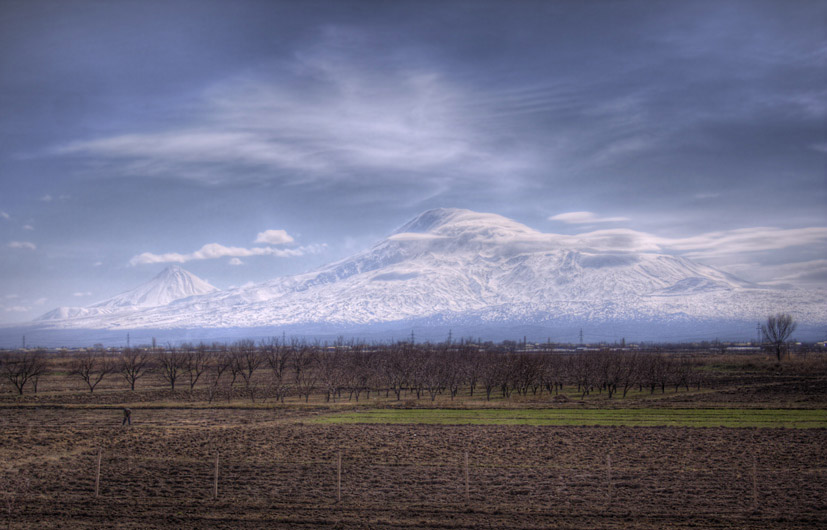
771 418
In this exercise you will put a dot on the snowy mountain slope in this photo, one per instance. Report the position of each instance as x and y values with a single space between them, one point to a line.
171 284
450 265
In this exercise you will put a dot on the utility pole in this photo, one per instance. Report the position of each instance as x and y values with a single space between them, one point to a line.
412 337
24 342
450 337
127 340
581 336
758 334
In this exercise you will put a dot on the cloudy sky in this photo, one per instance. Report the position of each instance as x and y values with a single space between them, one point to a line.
251 139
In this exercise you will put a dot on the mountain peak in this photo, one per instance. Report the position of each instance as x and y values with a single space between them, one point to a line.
453 221
171 284
430 219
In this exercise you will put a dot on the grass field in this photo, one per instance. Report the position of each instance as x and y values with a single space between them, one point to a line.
765 418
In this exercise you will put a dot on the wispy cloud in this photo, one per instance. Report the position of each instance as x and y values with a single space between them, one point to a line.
28 227
236 261
742 251
746 240
82 294
337 119
585 218
4 215
49 197
22 245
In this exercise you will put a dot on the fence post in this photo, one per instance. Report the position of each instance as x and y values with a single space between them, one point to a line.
215 483
339 477
98 473
609 477
467 487
754 483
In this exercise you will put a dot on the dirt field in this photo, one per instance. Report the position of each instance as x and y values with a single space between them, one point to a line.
278 469
278 463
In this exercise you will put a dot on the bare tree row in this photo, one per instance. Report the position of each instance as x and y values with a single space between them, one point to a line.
276 369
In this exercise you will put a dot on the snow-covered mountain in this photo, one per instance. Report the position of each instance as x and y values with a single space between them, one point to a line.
451 266
171 284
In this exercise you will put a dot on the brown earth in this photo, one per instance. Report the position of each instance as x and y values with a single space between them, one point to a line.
278 470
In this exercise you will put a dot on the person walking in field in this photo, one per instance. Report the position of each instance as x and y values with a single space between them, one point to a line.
127 417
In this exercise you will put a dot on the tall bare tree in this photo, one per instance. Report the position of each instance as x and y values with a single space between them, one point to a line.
777 332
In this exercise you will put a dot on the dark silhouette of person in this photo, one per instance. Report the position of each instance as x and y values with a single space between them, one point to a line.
127 417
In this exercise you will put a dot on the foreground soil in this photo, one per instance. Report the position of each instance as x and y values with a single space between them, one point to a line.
278 468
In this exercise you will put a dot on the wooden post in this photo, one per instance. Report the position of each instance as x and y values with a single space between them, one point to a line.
98 473
339 477
467 487
215 483
609 477
754 483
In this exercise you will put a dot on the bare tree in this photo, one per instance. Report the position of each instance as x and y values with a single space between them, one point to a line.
492 373
22 367
38 368
396 368
133 365
171 361
247 359
220 361
304 361
277 358
331 370
433 373
194 362
92 367
359 370
777 332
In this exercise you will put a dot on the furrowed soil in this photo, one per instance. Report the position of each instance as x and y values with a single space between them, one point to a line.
278 469
277 463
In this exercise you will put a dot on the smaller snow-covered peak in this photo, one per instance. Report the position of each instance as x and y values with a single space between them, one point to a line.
171 284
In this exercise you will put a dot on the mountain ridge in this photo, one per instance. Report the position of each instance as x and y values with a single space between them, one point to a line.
454 265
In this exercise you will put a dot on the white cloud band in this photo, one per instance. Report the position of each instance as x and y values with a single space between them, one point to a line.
216 250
